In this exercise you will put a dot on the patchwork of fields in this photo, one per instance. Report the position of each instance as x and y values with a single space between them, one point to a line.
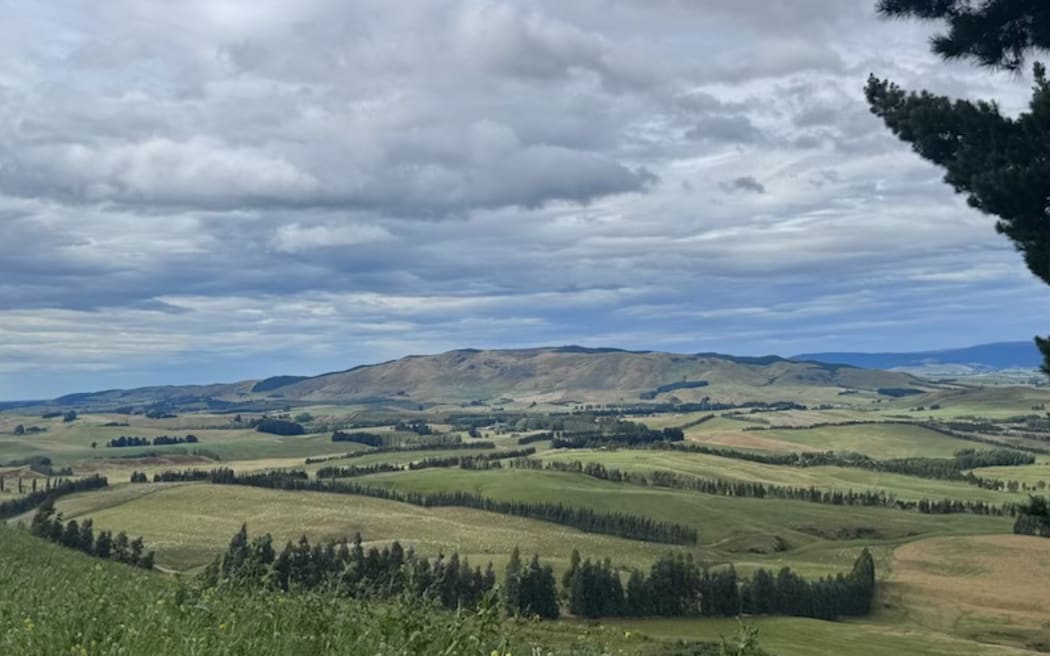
956 583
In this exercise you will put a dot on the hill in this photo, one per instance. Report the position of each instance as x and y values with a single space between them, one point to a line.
540 375
980 358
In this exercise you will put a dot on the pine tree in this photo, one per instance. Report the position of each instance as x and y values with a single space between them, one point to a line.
104 544
121 548
512 584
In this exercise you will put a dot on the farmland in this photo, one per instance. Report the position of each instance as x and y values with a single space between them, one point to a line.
924 562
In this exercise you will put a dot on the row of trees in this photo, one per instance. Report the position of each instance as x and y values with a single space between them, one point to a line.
451 445
171 476
350 570
677 586
160 440
595 439
368 439
674 586
478 461
756 490
48 525
955 468
52 489
634 527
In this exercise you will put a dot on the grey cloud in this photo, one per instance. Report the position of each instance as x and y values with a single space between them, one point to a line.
746 183
733 129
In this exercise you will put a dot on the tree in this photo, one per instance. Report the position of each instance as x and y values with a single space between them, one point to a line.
512 583
70 416
999 162
20 430
995 33
539 592
104 544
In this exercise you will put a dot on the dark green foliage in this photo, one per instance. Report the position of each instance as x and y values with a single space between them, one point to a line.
676 586
594 439
48 525
20 430
52 491
996 33
368 439
645 396
347 569
529 590
1034 518
70 416
279 427
160 440
898 392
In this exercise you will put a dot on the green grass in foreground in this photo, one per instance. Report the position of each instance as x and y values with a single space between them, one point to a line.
59 602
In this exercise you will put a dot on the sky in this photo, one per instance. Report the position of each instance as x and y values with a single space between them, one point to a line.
217 190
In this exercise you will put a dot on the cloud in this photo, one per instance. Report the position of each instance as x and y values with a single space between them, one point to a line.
729 129
746 183
196 190
295 238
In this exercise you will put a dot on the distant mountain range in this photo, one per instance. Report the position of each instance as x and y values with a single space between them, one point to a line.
981 358
566 374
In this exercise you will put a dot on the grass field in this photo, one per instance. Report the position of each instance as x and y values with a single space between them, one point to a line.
784 636
988 588
188 524
727 524
822 478
954 584
1030 474
882 440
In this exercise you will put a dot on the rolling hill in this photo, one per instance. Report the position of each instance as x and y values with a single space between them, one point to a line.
556 374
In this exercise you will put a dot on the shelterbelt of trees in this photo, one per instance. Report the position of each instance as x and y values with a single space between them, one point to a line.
953 469
757 490
674 586
624 525
50 490
479 461
48 525
444 445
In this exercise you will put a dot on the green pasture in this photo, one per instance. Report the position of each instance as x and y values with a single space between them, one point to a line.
883 440
189 523
729 525
821 478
